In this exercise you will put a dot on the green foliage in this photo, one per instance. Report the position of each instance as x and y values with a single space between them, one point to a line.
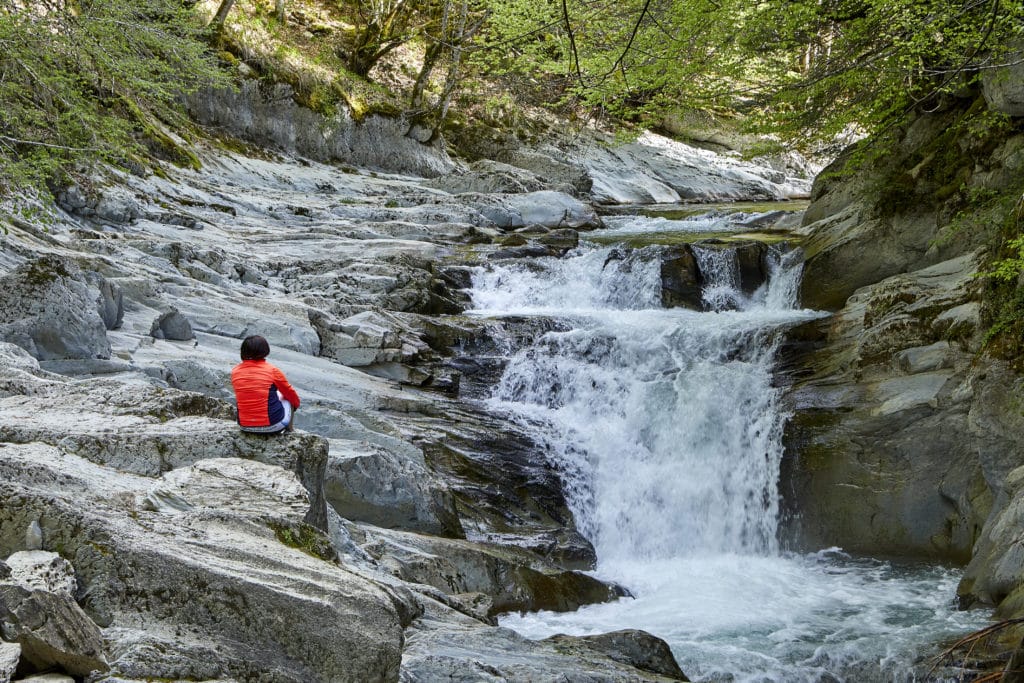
868 62
88 80
803 67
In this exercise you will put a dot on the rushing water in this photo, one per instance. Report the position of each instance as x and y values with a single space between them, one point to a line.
667 430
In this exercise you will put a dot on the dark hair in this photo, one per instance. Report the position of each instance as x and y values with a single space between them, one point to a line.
255 348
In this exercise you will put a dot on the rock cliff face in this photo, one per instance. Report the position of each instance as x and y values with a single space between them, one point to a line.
906 434
379 540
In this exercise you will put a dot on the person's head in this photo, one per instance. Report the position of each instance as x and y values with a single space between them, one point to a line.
255 347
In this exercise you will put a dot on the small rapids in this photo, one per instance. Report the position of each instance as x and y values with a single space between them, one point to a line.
666 429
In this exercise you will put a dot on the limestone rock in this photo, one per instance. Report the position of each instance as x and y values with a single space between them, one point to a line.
633 647
368 483
883 454
221 578
547 208
270 117
486 176
235 484
367 338
1004 87
52 630
171 324
656 170
33 536
106 203
10 655
451 647
48 309
42 570
514 580
109 300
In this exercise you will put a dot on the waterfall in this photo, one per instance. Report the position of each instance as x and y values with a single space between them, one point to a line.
665 424
666 429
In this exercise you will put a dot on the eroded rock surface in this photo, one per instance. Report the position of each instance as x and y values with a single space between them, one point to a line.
395 510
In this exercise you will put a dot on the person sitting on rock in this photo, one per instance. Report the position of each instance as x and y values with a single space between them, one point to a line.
266 401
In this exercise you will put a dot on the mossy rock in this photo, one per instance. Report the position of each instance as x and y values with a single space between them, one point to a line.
304 537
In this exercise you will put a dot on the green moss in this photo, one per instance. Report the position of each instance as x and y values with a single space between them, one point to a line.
43 271
305 538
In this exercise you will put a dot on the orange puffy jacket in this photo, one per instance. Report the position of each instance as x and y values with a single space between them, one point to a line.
256 383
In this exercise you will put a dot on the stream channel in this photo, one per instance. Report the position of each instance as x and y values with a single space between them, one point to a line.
666 428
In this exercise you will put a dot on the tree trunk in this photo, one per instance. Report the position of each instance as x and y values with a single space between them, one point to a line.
222 14
279 10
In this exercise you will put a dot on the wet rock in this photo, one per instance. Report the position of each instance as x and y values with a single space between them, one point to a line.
636 648
444 645
523 252
748 257
562 239
513 579
48 308
680 279
368 483
547 208
885 452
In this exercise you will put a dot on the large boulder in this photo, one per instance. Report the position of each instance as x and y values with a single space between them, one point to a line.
156 431
514 580
995 575
447 646
48 308
369 483
269 116
228 582
1004 87
630 646
38 612
885 452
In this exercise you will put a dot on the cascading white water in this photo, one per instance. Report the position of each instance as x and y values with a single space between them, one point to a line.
667 431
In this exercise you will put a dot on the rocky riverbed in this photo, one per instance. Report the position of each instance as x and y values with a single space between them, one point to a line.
147 538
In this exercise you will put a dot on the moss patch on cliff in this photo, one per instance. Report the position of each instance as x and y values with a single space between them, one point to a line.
305 538
302 52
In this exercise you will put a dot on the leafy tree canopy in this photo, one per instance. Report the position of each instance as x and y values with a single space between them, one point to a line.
81 79
801 65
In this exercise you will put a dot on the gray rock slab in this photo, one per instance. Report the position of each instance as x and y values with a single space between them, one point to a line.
10 655
444 645
514 579
392 489
52 629
48 308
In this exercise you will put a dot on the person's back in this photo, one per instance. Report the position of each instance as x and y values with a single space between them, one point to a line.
265 399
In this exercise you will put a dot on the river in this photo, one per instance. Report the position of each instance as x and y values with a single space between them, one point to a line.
666 428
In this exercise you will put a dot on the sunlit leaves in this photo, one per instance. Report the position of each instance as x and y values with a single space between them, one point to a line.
80 80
